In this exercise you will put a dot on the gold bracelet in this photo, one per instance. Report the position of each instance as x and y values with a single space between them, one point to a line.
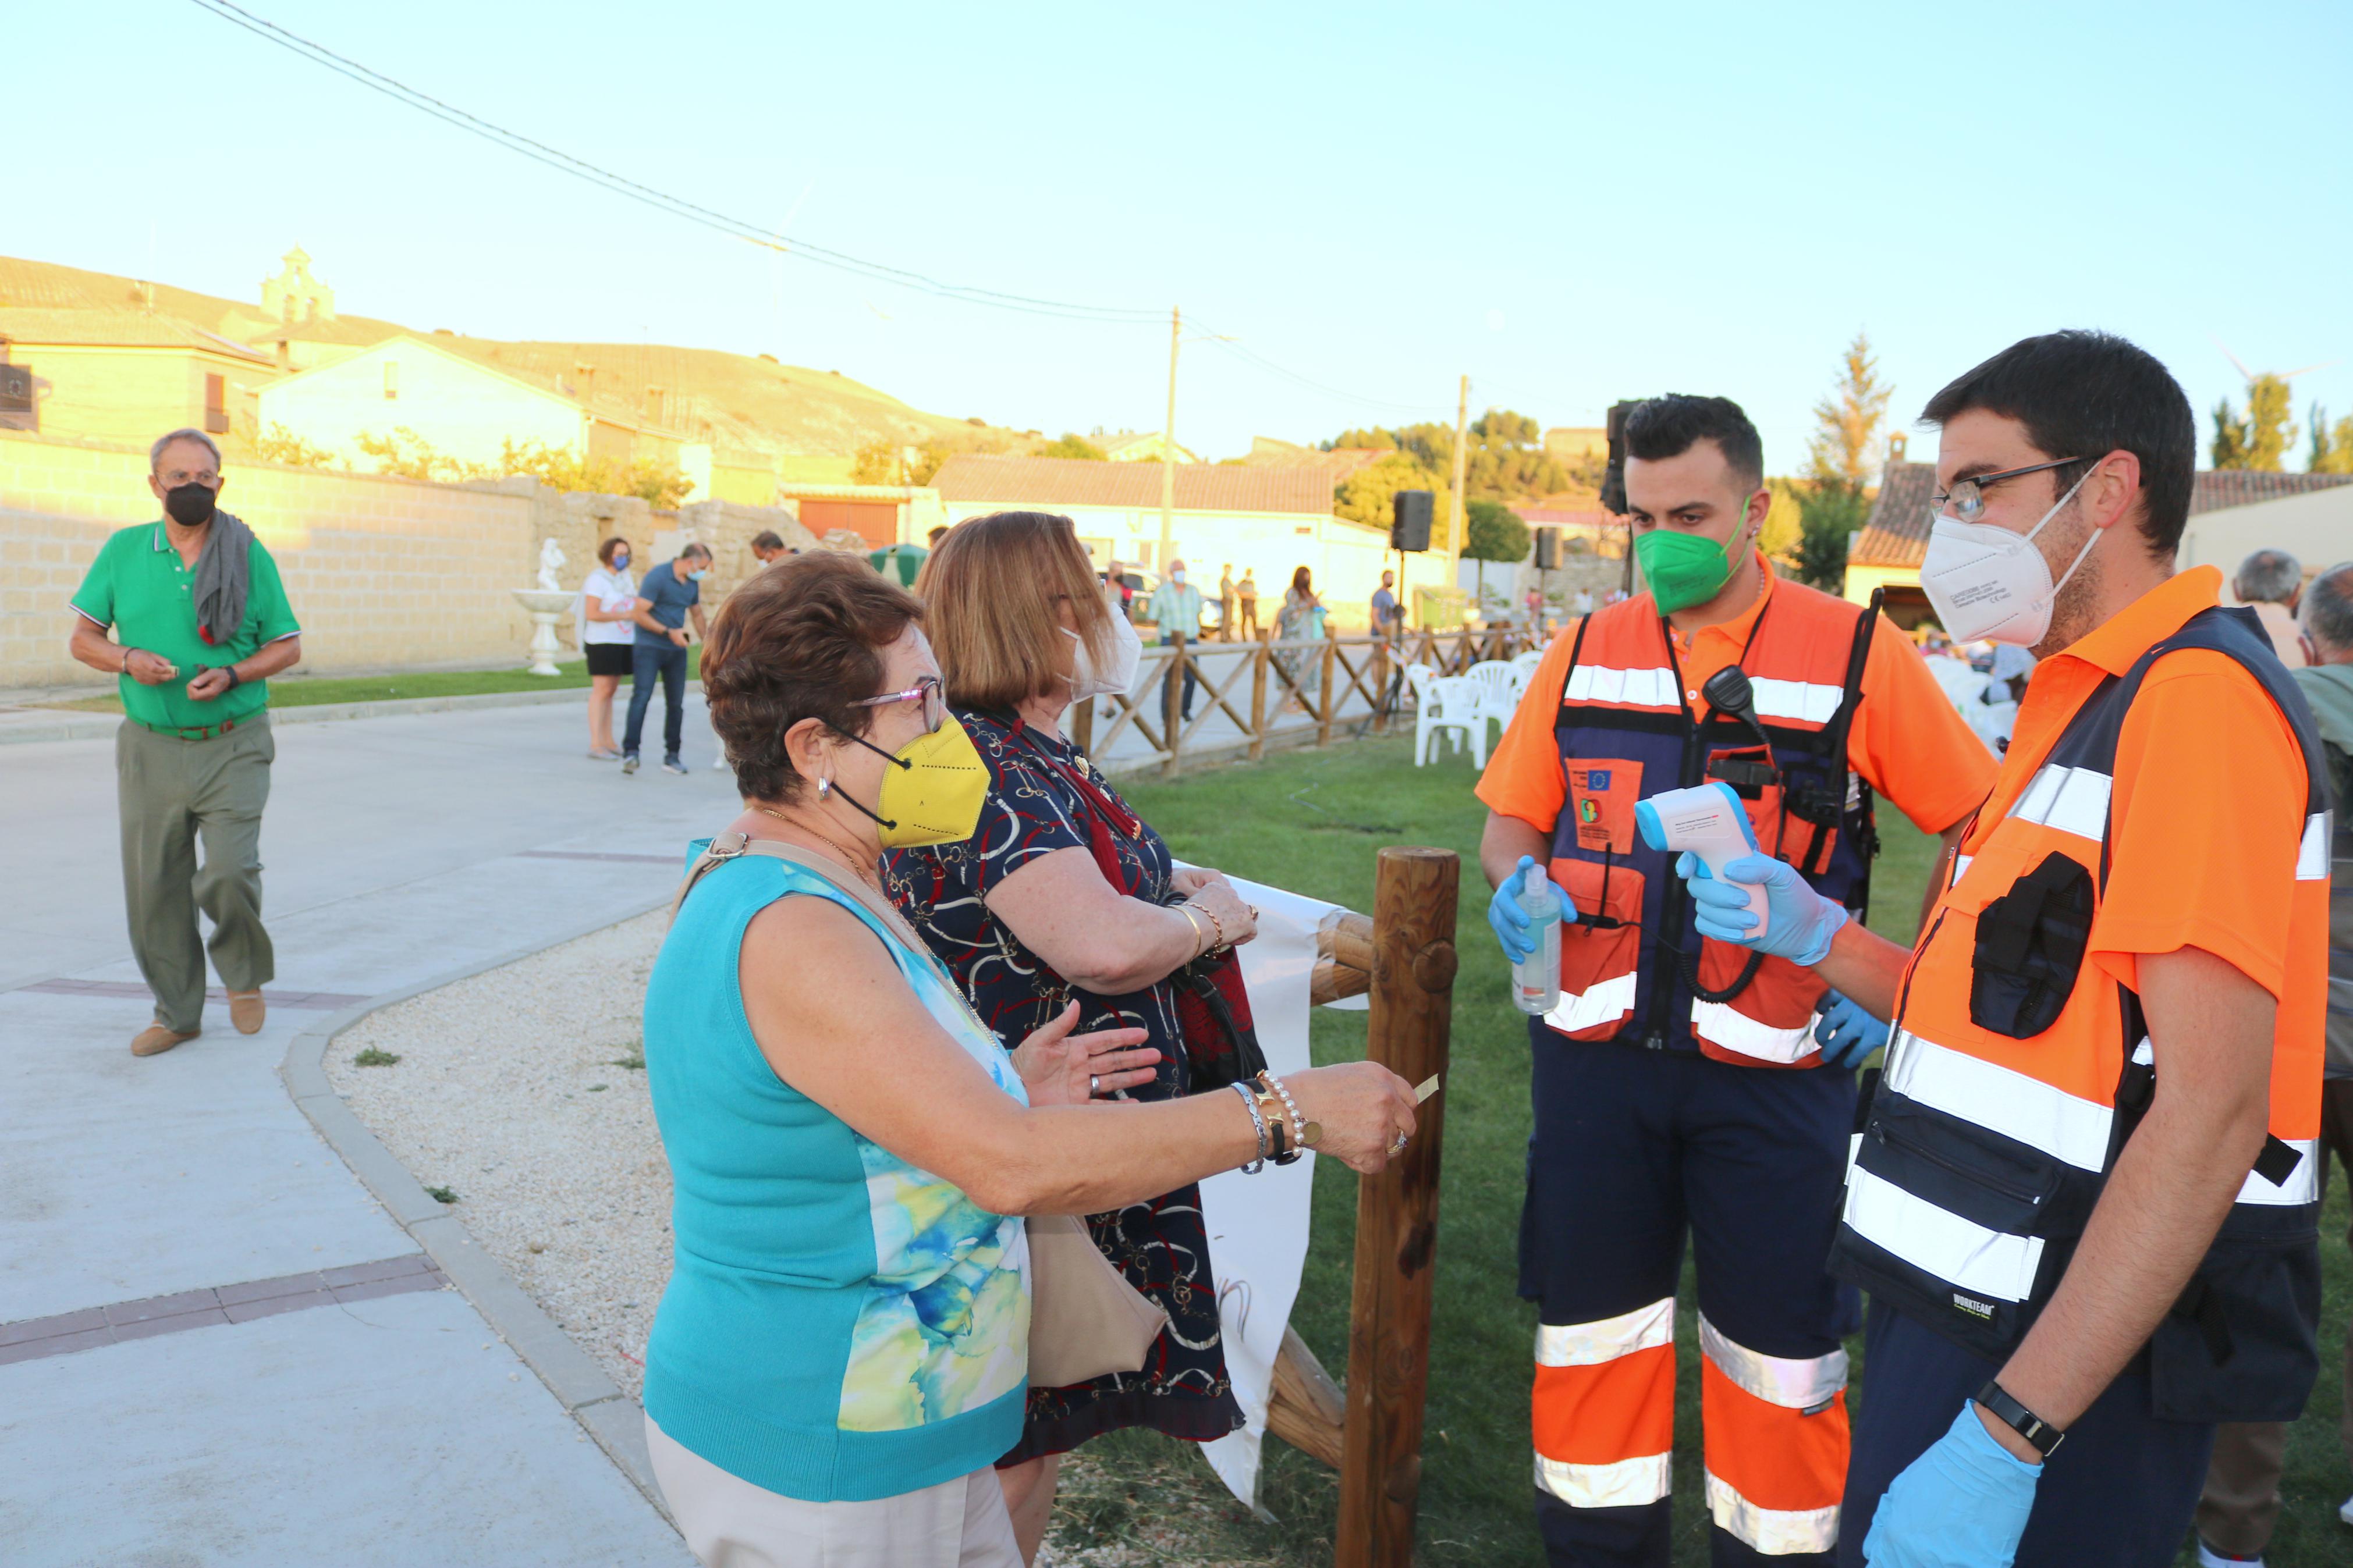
1282 1130
1199 938
1222 942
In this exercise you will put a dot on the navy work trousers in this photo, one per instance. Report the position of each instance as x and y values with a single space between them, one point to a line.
1631 1148
667 662
2117 1492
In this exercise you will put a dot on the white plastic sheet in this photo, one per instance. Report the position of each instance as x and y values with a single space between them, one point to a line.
1258 1225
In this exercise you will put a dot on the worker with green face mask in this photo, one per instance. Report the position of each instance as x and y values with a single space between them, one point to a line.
1682 1085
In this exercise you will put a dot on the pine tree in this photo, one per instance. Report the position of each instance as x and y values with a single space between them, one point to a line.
2332 449
1847 422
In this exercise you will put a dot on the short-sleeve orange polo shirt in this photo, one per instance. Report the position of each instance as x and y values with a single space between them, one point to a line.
2207 806
1905 740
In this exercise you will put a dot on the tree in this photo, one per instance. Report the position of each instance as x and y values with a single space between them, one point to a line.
1829 514
407 455
1504 461
1364 496
1834 499
1847 422
2260 438
1784 524
560 468
882 462
1492 532
279 444
1073 446
1495 531
2332 449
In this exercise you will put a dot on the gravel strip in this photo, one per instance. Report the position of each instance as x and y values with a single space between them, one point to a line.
511 1092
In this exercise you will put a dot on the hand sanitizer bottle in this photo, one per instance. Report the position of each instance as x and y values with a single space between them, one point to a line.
1535 979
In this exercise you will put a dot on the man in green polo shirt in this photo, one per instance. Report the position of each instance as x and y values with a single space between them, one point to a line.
200 623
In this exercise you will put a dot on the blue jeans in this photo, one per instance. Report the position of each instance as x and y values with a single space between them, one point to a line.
667 660
1185 706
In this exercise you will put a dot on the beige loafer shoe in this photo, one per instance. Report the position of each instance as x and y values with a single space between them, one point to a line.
245 1011
155 1039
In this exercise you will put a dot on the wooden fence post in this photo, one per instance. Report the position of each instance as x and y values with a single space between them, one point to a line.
1082 726
1380 663
1323 717
1258 656
1396 1215
1171 718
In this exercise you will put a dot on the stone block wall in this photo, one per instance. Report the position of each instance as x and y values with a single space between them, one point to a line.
383 573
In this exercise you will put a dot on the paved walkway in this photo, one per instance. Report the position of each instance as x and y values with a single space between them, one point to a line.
216 1346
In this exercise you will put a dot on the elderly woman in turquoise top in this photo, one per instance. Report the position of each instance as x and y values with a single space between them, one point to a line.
842 1350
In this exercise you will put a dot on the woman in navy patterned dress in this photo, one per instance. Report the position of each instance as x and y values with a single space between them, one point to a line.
1064 896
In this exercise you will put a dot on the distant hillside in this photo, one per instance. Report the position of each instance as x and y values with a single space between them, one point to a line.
740 404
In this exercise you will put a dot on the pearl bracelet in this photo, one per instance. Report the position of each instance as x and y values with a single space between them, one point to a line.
1305 1133
1257 1122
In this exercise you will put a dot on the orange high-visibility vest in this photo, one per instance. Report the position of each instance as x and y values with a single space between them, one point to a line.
2017 1071
1627 730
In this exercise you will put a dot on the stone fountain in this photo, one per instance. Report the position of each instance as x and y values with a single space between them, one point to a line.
547 604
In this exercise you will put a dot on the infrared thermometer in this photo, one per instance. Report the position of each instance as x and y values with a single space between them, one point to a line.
1710 823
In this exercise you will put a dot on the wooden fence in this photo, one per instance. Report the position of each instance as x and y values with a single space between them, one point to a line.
1299 692
1372 1430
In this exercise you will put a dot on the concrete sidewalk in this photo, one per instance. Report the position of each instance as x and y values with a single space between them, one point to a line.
216 1346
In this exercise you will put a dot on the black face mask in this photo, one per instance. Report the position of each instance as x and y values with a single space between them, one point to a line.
190 505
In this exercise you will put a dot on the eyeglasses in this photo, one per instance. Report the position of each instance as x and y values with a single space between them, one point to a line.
1967 498
927 691
174 478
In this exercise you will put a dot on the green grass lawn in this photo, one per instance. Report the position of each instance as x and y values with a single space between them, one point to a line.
1312 822
299 690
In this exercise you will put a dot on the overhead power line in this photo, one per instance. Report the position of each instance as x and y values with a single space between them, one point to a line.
678 207
723 223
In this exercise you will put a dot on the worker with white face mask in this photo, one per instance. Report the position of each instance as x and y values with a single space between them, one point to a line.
2085 1195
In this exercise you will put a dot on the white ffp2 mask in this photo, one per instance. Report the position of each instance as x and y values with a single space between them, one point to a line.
1985 581
1118 671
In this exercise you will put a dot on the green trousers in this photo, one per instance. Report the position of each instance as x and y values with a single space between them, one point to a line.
174 794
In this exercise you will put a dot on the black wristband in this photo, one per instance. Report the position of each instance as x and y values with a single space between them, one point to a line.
2040 1435
235 679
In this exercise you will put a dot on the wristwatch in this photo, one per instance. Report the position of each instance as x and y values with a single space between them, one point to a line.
2040 1435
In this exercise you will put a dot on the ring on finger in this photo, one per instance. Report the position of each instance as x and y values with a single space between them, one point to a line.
1094 1085
1402 1139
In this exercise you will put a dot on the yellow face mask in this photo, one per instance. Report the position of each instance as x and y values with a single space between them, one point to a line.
932 792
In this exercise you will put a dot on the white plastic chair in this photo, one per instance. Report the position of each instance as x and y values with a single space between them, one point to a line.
1500 685
1526 663
1449 706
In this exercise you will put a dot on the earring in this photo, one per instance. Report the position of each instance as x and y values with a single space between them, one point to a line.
824 787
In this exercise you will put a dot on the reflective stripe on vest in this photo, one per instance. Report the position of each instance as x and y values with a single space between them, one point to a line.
1625 714
1984 1150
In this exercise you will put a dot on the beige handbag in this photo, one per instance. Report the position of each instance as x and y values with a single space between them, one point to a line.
1085 1320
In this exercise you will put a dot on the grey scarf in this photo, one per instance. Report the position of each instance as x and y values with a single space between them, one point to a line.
223 574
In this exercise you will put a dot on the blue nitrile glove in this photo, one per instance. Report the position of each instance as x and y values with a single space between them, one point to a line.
1847 1034
1510 922
1962 1504
1800 921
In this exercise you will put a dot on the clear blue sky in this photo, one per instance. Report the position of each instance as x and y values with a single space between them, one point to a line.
1572 204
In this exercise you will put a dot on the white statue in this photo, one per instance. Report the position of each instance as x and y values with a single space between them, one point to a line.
550 558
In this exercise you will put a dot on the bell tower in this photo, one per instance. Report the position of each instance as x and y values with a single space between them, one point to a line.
295 296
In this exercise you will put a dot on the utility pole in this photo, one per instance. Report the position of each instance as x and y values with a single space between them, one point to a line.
1458 532
1168 450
